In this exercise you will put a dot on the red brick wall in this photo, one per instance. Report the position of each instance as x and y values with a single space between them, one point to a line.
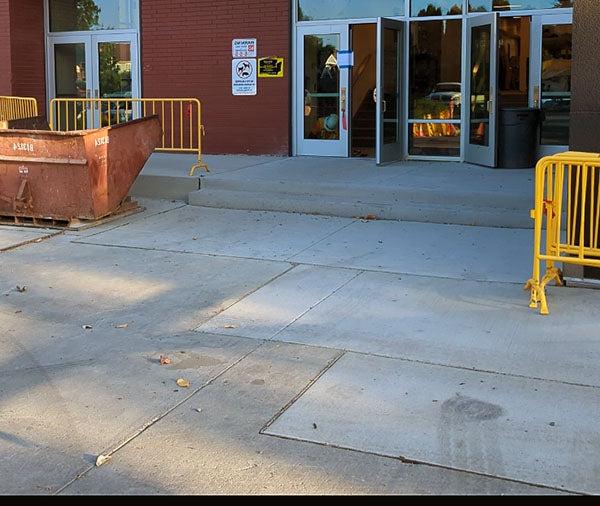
186 51
5 59
28 53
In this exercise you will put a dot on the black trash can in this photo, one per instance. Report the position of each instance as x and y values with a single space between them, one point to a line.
517 137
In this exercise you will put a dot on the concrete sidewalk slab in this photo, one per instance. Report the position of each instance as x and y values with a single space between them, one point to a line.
271 236
151 207
154 292
13 237
526 430
486 326
450 251
55 421
219 450
266 312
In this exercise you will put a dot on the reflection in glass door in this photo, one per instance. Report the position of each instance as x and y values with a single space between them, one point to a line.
93 66
389 144
322 103
480 85
71 56
551 80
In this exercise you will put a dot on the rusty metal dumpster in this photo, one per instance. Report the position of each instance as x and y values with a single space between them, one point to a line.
63 176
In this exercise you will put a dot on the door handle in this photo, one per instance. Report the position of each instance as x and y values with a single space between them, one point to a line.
490 106
96 96
88 95
383 106
375 95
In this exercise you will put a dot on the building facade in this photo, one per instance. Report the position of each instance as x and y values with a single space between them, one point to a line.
387 79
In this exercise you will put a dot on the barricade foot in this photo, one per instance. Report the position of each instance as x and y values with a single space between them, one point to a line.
198 166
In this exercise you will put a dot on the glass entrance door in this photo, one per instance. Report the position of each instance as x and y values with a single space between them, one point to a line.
388 94
480 89
322 105
551 47
92 66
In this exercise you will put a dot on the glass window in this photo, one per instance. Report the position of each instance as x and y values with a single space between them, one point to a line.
435 87
556 84
513 5
321 87
348 9
435 7
84 15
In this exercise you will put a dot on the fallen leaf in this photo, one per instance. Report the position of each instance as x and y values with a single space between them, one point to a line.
21 289
102 459
164 360
183 383
122 326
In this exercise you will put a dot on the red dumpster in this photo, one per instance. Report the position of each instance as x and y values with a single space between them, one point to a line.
82 175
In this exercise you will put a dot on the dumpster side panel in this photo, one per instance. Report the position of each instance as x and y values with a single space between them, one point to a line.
38 177
62 176
117 155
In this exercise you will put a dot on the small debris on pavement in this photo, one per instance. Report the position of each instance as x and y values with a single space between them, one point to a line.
314 425
194 238
87 327
122 326
229 326
164 360
19 311
102 459
552 424
368 217
183 383
21 289
199 410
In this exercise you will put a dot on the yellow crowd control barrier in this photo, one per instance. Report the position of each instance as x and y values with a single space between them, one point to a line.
12 108
567 199
181 119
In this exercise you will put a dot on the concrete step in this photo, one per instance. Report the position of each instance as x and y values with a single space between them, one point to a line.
164 187
352 204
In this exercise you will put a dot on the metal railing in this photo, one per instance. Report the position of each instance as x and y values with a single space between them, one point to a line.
567 199
180 118
12 108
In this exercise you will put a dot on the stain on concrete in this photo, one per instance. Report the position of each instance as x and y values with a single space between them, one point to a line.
258 382
467 409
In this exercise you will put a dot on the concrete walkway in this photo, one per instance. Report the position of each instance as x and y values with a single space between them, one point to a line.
324 355
436 192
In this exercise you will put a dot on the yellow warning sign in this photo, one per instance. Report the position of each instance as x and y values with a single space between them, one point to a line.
270 67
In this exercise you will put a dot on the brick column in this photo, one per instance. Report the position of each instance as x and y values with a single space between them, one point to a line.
585 103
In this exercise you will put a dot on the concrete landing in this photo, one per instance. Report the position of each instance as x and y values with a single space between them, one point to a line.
484 423
438 192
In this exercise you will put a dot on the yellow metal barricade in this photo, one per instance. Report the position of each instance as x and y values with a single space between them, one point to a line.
567 200
181 119
12 108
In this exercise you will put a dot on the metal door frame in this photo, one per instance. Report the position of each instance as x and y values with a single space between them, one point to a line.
535 73
391 152
315 147
481 155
